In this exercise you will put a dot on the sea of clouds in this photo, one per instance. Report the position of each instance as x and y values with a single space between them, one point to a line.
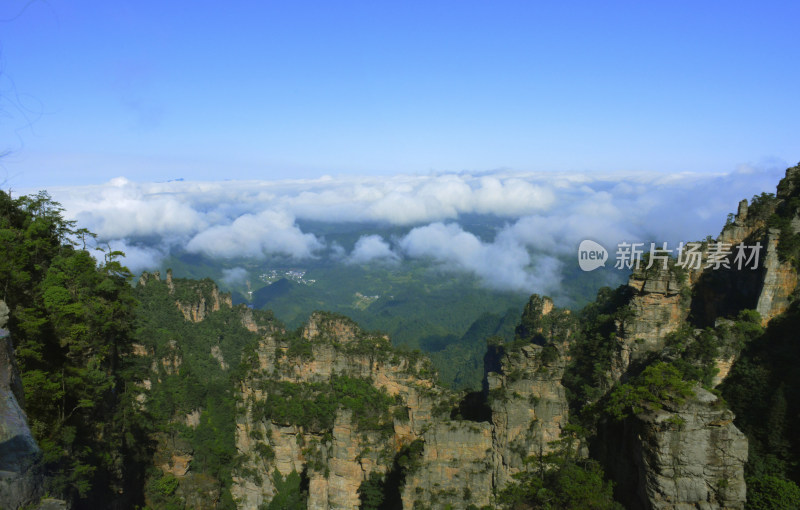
546 215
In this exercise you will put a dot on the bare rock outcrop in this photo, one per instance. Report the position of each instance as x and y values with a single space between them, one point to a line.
778 282
529 406
205 299
337 461
3 314
456 468
767 287
658 306
194 299
682 457
431 458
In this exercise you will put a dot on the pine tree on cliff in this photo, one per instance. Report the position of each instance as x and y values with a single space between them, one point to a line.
71 319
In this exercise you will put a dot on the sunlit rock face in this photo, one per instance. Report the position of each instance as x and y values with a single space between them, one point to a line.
528 402
658 307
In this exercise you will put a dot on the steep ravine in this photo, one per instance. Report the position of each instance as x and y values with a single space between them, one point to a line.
455 461
460 461
300 412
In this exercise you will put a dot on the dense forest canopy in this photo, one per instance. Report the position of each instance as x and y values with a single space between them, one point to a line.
72 321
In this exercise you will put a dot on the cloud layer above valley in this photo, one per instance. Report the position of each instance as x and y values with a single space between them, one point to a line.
545 216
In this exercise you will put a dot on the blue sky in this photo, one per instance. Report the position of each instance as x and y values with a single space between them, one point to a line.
273 90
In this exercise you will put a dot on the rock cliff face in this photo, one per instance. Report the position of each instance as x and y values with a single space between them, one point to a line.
780 277
454 461
778 282
681 457
338 458
528 402
692 455
195 303
529 408
658 306
687 457
768 287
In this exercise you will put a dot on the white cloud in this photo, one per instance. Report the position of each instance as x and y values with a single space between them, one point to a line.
504 264
372 248
256 235
123 209
512 197
234 275
547 215
137 257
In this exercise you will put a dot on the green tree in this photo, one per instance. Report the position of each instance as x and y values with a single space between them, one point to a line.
289 494
772 493
561 479
657 384
71 321
371 492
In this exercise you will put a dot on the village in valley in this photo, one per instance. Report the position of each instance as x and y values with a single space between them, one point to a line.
295 275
